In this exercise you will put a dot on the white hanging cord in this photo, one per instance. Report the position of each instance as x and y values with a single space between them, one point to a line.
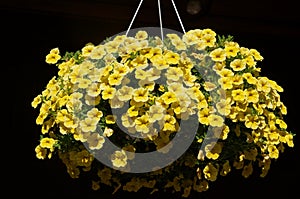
160 20
134 17
178 16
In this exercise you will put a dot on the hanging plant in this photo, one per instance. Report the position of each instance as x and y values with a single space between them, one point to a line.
167 114
139 95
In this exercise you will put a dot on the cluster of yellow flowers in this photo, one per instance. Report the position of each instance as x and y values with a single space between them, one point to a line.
137 91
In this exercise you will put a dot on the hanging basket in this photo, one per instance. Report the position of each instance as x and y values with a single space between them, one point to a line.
163 110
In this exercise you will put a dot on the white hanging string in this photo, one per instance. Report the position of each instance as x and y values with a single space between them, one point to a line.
178 16
160 21
134 17
160 18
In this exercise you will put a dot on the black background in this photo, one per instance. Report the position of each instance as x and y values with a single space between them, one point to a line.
27 37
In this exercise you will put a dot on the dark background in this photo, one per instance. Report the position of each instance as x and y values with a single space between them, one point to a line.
30 29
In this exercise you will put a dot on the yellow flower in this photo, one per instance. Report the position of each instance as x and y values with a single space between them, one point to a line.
169 97
108 93
231 48
88 124
120 38
52 58
203 116
86 50
275 86
141 35
142 124
218 55
67 67
238 64
153 74
112 46
93 89
115 79
125 93
251 121
224 106
252 95
119 159
237 80
289 140
189 79
177 108
263 84
147 84
173 36
226 83
127 121
273 151
219 66
140 62
221 132
213 150
174 73
225 168
169 123
36 101
147 52
256 54
133 111
224 72
106 70
41 117
83 83
189 38
210 172
195 93
47 143
208 40
110 119
215 120
176 88
54 51
41 153
98 52
121 69
186 191
281 123
179 44
171 57
156 53
135 46
238 95
95 141
208 31
47 125
159 62
156 113
141 74
140 95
